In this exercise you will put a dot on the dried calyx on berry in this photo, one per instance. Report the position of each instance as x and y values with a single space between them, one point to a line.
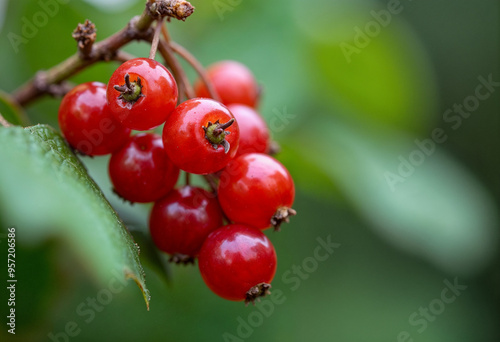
215 134
259 290
130 91
183 259
282 215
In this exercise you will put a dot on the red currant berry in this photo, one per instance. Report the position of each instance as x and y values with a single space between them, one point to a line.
180 222
86 122
141 171
201 136
257 190
141 94
254 134
238 262
233 82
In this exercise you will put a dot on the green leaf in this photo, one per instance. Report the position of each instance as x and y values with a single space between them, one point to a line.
46 193
436 210
152 257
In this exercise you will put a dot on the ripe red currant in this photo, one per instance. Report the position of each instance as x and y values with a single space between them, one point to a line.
141 171
86 122
257 190
141 94
254 134
201 136
180 222
233 82
238 262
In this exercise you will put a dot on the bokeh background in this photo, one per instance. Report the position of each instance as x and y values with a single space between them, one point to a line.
346 97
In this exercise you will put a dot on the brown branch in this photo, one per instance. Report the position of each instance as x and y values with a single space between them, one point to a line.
137 28
197 66
104 50
55 90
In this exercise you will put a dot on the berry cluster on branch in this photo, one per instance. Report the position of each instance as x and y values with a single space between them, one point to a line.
213 130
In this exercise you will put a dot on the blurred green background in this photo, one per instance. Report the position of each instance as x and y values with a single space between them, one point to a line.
349 86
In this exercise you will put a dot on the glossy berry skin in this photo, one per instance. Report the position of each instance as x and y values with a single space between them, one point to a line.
86 122
185 139
236 258
233 82
253 187
158 94
181 221
254 134
141 171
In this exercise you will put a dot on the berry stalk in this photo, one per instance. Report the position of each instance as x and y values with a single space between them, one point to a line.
196 65
156 39
185 86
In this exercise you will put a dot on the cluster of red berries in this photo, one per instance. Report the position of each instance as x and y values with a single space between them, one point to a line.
227 141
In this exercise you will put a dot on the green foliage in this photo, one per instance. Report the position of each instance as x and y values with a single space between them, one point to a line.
45 192
397 85
415 195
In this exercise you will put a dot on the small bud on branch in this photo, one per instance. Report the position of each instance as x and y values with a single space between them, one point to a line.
178 9
85 35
